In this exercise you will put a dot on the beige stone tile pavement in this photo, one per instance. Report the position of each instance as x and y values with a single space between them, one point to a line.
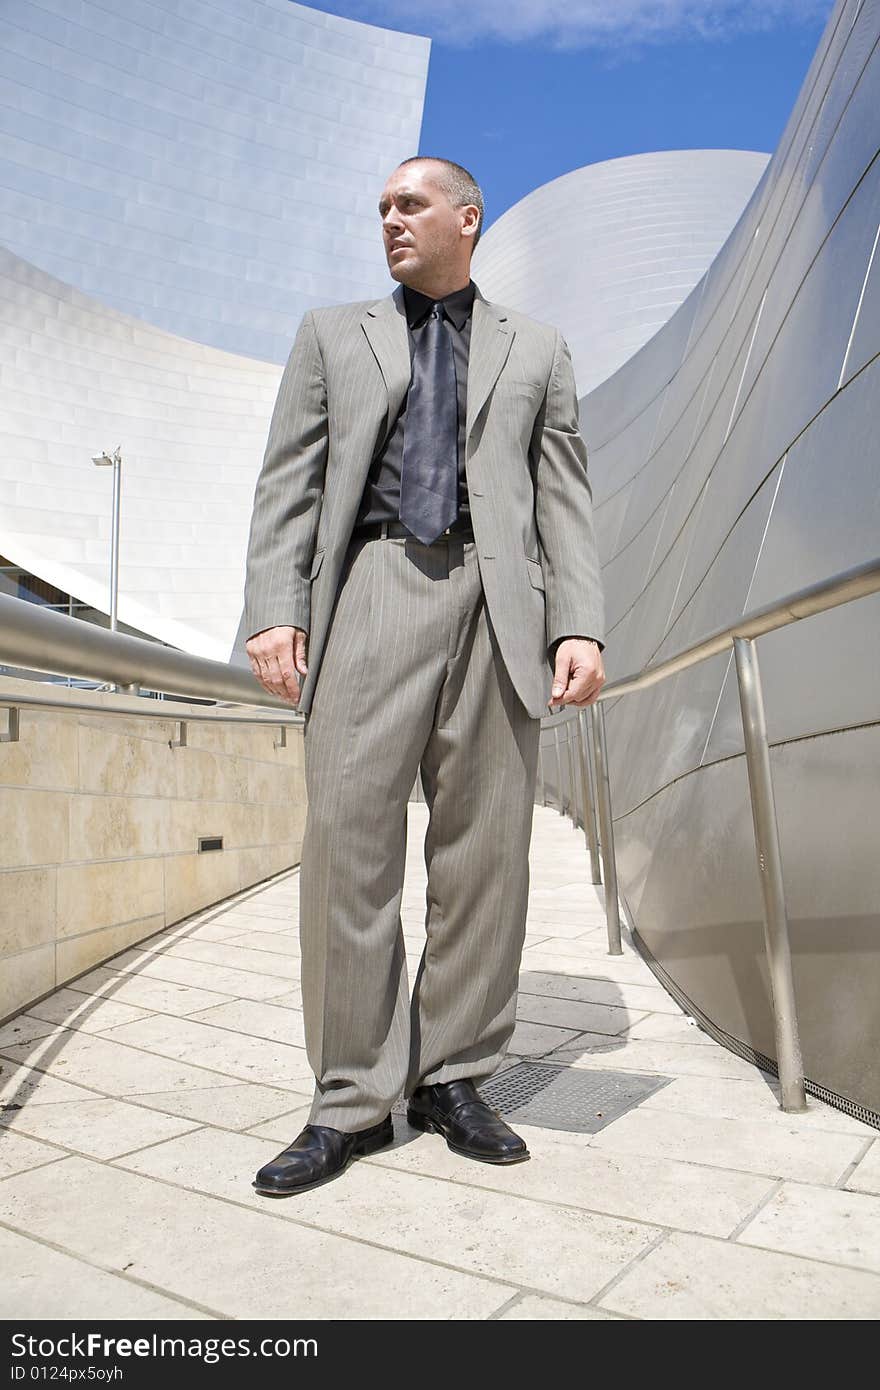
278 1024
690 1278
137 1102
570 1170
245 1057
820 1224
226 1259
866 1177
227 1105
151 995
88 1012
749 1098
39 1282
535 1308
763 1146
105 1065
18 1153
499 1234
234 983
98 1128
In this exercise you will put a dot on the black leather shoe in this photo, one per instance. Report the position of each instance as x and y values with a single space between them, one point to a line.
317 1154
470 1126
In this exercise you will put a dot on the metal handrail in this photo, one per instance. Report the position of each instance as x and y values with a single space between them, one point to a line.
844 587
38 639
148 710
839 588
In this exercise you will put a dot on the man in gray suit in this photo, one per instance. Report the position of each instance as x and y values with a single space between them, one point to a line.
422 554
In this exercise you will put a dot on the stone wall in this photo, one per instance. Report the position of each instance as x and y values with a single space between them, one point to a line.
100 820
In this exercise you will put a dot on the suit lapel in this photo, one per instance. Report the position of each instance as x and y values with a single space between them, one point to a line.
491 340
384 324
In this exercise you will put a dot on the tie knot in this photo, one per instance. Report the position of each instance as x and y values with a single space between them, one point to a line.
436 311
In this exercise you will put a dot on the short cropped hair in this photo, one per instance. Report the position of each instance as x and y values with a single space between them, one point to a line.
459 185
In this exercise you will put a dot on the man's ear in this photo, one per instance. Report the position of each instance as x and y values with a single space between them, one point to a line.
471 229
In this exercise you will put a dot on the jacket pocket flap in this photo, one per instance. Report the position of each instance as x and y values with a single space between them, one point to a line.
535 573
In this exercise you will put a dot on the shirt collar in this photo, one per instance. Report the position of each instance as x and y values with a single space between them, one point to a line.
458 305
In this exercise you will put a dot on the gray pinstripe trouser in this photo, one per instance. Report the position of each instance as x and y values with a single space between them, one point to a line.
411 677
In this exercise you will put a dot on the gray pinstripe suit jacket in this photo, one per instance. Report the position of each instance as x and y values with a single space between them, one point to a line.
526 469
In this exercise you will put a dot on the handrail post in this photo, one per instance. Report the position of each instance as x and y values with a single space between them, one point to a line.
572 779
181 740
558 769
591 836
606 828
13 726
778 946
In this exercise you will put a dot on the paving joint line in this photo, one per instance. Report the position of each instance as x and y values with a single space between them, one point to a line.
343 1235
38 1163
269 974
146 1052
154 955
228 1079
375 1160
820 1128
134 973
848 1172
115 1273
165 1013
502 1308
810 1259
612 1283
775 1187
67 1151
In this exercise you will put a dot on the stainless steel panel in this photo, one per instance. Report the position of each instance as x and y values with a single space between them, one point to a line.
812 300
166 160
689 856
764 476
653 486
627 574
824 673
670 723
615 462
635 234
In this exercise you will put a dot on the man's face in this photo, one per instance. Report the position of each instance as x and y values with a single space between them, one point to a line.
421 230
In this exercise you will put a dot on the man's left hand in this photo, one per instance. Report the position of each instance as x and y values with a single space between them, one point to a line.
579 673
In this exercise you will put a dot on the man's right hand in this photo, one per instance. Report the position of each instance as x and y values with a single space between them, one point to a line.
276 655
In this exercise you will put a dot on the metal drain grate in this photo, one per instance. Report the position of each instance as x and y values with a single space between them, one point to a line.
576 1099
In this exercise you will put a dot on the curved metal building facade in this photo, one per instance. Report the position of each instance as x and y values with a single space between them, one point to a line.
607 253
735 459
210 167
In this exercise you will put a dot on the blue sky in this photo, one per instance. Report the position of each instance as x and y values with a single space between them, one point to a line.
521 91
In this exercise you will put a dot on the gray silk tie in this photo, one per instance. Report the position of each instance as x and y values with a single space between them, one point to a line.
429 469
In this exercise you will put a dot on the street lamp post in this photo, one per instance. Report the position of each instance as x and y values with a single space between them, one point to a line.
113 461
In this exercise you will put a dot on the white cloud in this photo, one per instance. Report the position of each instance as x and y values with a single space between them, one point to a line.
586 23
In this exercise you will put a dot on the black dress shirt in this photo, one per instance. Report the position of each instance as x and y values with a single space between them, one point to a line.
381 498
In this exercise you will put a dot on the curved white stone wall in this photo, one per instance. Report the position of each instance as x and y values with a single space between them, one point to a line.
607 253
77 378
211 167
